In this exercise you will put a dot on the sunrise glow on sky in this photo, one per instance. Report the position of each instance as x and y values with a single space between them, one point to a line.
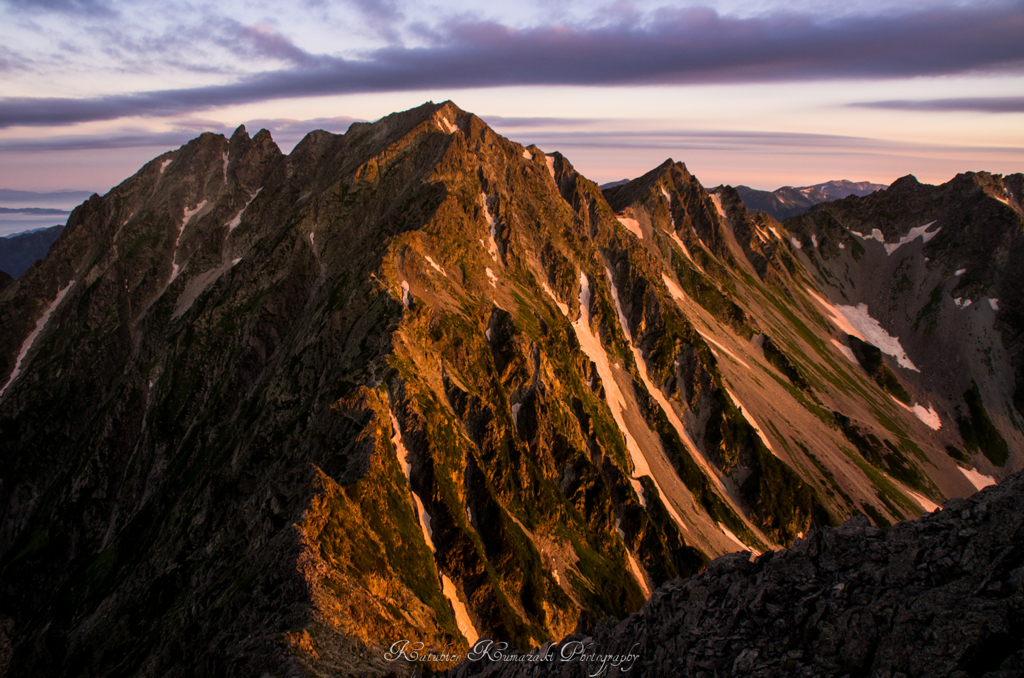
763 94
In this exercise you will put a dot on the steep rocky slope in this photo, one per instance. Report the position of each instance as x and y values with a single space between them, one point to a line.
940 596
938 267
269 413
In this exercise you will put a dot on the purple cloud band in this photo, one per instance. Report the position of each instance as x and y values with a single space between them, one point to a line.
677 47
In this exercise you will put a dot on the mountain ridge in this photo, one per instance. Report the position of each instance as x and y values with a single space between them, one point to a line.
18 252
786 202
418 379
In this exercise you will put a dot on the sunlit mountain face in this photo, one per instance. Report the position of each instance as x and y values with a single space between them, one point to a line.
273 413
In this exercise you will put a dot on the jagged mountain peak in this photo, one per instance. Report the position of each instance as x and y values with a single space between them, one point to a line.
905 182
666 174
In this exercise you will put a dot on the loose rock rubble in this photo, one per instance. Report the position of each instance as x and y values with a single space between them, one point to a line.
939 596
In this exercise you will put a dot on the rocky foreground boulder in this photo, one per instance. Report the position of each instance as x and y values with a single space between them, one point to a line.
938 596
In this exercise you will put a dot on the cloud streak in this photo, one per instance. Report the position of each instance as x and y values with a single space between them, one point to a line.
33 211
79 7
749 141
974 104
262 40
676 46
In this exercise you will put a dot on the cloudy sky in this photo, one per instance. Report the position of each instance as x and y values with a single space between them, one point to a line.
760 93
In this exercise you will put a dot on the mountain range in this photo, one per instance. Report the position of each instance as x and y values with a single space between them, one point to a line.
787 201
18 252
267 413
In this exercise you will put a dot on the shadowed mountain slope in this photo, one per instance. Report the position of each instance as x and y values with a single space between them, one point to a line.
936 597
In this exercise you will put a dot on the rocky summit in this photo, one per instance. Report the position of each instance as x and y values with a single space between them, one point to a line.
268 414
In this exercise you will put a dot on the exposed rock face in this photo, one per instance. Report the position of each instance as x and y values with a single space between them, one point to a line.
268 413
939 596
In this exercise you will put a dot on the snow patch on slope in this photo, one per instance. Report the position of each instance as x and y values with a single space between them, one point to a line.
492 246
237 219
718 204
423 518
448 126
926 414
564 308
527 154
436 267
662 401
591 345
914 234
796 242
927 504
728 533
708 338
637 572
855 320
638 487
678 293
846 351
26 345
750 420
632 225
551 167
164 165
673 288
977 478
994 303
175 269
682 246
618 306
466 627
493 278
